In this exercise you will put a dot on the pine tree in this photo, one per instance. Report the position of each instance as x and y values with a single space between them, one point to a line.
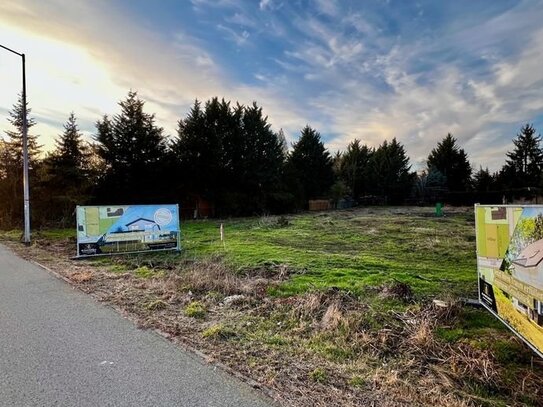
133 149
197 150
262 158
66 178
483 181
452 162
524 164
390 172
309 167
229 156
11 164
69 161
353 167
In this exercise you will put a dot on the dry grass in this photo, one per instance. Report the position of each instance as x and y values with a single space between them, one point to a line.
322 348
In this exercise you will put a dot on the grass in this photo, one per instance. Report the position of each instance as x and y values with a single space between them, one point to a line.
195 310
318 375
345 299
432 255
346 250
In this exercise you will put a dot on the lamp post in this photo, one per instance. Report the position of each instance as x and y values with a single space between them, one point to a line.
25 154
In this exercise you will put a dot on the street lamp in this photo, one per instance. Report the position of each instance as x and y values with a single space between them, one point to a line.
25 154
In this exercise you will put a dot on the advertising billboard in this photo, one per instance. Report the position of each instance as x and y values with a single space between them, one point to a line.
116 229
510 267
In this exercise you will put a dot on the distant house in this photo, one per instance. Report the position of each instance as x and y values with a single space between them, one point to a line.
142 224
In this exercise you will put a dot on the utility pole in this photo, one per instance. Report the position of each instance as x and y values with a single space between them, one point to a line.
26 195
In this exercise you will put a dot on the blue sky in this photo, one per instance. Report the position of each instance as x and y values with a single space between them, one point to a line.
371 70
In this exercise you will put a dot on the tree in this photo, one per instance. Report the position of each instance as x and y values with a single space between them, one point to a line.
352 167
133 149
390 172
66 175
262 158
309 167
451 161
483 180
11 164
230 156
524 164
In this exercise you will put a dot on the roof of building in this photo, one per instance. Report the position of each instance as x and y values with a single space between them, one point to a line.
140 219
531 256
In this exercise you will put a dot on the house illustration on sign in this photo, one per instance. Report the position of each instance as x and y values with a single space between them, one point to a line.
527 278
142 224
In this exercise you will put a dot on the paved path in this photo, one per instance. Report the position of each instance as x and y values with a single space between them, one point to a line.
58 347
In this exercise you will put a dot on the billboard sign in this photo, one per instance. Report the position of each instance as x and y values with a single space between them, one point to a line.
116 229
510 267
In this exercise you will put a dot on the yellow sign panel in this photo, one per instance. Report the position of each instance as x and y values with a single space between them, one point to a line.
510 267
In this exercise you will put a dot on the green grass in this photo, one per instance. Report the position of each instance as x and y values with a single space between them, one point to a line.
349 250
195 310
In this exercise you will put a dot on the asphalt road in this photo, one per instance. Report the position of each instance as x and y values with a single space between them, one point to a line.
58 347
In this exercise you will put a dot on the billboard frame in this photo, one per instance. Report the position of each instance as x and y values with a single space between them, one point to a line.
177 247
507 324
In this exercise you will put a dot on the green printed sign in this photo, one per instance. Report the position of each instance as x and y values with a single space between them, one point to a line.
510 267
125 229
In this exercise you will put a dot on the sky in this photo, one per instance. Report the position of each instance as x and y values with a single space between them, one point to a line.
370 70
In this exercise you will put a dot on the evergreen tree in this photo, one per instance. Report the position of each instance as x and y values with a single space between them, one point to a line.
66 177
353 167
309 167
451 161
133 149
11 164
197 149
524 164
230 156
483 180
262 158
389 171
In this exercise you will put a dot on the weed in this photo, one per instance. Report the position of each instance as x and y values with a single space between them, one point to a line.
156 305
318 375
145 272
218 331
357 381
195 310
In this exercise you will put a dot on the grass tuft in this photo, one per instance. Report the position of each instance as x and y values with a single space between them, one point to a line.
318 375
195 310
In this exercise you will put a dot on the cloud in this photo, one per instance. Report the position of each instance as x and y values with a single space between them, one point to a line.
239 38
89 65
264 4
357 71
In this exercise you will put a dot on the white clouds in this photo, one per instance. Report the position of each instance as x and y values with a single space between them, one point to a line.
87 67
380 93
329 7
265 4
346 78
240 38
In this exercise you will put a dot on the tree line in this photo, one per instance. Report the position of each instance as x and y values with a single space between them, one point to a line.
225 158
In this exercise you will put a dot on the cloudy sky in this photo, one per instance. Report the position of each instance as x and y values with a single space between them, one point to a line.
372 69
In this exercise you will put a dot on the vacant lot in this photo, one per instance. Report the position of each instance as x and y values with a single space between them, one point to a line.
325 309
